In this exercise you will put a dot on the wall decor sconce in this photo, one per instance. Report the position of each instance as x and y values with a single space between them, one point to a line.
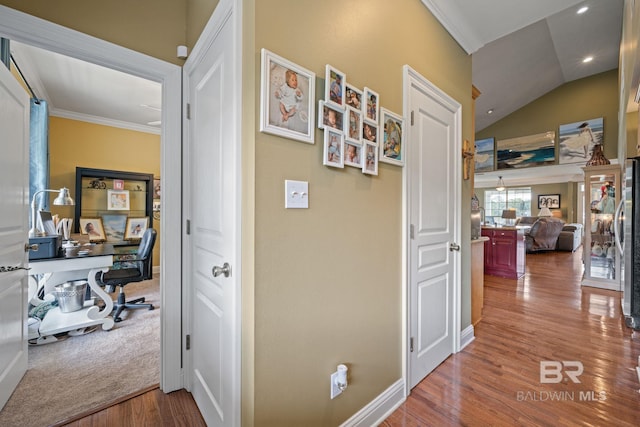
500 185
339 380
63 199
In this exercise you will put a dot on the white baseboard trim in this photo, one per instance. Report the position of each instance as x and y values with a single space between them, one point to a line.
379 408
155 269
467 336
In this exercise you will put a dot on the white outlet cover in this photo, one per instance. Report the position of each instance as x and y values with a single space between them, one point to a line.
296 194
335 390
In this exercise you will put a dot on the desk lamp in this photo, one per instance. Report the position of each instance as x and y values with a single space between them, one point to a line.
62 200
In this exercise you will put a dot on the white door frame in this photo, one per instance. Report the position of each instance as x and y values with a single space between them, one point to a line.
410 76
34 31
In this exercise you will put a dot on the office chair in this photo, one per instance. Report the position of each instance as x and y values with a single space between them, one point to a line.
122 277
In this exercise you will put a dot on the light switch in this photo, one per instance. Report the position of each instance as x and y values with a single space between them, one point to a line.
296 194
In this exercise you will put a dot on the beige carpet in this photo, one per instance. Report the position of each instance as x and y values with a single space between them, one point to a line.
78 374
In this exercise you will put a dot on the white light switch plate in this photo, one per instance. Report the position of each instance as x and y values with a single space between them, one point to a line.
296 194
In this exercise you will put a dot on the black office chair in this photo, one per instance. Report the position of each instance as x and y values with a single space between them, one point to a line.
120 277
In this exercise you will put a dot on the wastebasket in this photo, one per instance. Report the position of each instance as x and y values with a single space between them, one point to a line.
70 295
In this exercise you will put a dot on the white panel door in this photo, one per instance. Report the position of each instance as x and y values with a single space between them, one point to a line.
432 184
212 189
14 191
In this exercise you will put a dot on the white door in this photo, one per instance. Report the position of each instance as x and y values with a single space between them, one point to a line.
433 157
212 188
14 191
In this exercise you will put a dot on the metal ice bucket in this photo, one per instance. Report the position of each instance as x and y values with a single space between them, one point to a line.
70 295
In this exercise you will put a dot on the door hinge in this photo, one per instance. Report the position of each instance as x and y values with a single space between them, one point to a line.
412 232
411 344
188 342
188 226
188 111
412 118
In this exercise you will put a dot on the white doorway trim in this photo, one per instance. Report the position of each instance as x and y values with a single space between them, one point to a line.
412 77
37 32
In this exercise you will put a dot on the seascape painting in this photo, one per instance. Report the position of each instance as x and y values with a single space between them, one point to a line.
484 155
114 227
527 151
578 139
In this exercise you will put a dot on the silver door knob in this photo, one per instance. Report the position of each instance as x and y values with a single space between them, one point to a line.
454 247
28 247
225 269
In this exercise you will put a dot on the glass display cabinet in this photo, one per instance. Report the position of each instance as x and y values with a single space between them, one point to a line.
601 256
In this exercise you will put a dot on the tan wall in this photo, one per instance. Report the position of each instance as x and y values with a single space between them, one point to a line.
328 282
154 27
74 144
588 98
198 14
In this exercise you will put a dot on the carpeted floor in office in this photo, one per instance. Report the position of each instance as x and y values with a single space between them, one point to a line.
80 373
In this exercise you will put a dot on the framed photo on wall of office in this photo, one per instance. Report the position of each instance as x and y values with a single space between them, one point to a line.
391 143
118 200
287 98
135 228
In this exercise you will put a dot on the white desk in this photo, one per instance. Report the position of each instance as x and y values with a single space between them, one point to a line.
72 267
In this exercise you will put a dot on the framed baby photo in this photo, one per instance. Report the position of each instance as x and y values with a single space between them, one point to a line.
287 98
330 116
353 97
334 89
369 159
371 105
391 142
135 228
370 133
333 148
93 228
353 124
353 154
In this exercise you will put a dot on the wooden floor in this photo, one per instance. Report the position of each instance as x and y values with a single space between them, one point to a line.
495 380
545 316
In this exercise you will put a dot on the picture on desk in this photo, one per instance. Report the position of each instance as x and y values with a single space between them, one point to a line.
114 226
136 227
93 228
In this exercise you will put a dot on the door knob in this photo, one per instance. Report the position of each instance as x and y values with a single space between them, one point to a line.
454 247
225 269
28 247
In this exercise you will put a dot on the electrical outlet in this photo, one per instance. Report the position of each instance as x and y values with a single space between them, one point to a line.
335 390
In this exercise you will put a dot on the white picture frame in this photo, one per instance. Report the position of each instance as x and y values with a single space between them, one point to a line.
353 154
330 116
391 141
370 105
333 153
334 90
370 133
353 124
369 159
286 110
353 97
118 200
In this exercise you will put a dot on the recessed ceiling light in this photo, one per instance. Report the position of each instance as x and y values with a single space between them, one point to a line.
490 111
582 10
587 59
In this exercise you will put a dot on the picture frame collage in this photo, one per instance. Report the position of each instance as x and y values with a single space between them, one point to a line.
358 132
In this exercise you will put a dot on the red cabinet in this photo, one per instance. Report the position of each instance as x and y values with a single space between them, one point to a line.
504 252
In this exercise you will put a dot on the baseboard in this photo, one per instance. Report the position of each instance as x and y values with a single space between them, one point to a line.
379 408
155 269
467 336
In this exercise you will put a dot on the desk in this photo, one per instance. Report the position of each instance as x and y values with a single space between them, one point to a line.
72 267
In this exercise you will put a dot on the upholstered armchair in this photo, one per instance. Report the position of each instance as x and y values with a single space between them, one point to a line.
543 234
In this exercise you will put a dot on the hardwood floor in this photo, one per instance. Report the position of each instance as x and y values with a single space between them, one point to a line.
495 380
544 316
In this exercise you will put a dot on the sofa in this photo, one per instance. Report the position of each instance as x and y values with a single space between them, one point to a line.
570 238
542 234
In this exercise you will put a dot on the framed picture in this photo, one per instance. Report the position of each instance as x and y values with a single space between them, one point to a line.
578 139
335 81
484 154
333 148
118 184
551 201
353 154
392 144
118 200
525 151
156 188
353 97
353 125
330 116
370 159
114 226
370 133
135 228
371 105
287 98
93 228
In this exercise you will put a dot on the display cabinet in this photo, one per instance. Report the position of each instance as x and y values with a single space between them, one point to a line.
601 257
120 200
